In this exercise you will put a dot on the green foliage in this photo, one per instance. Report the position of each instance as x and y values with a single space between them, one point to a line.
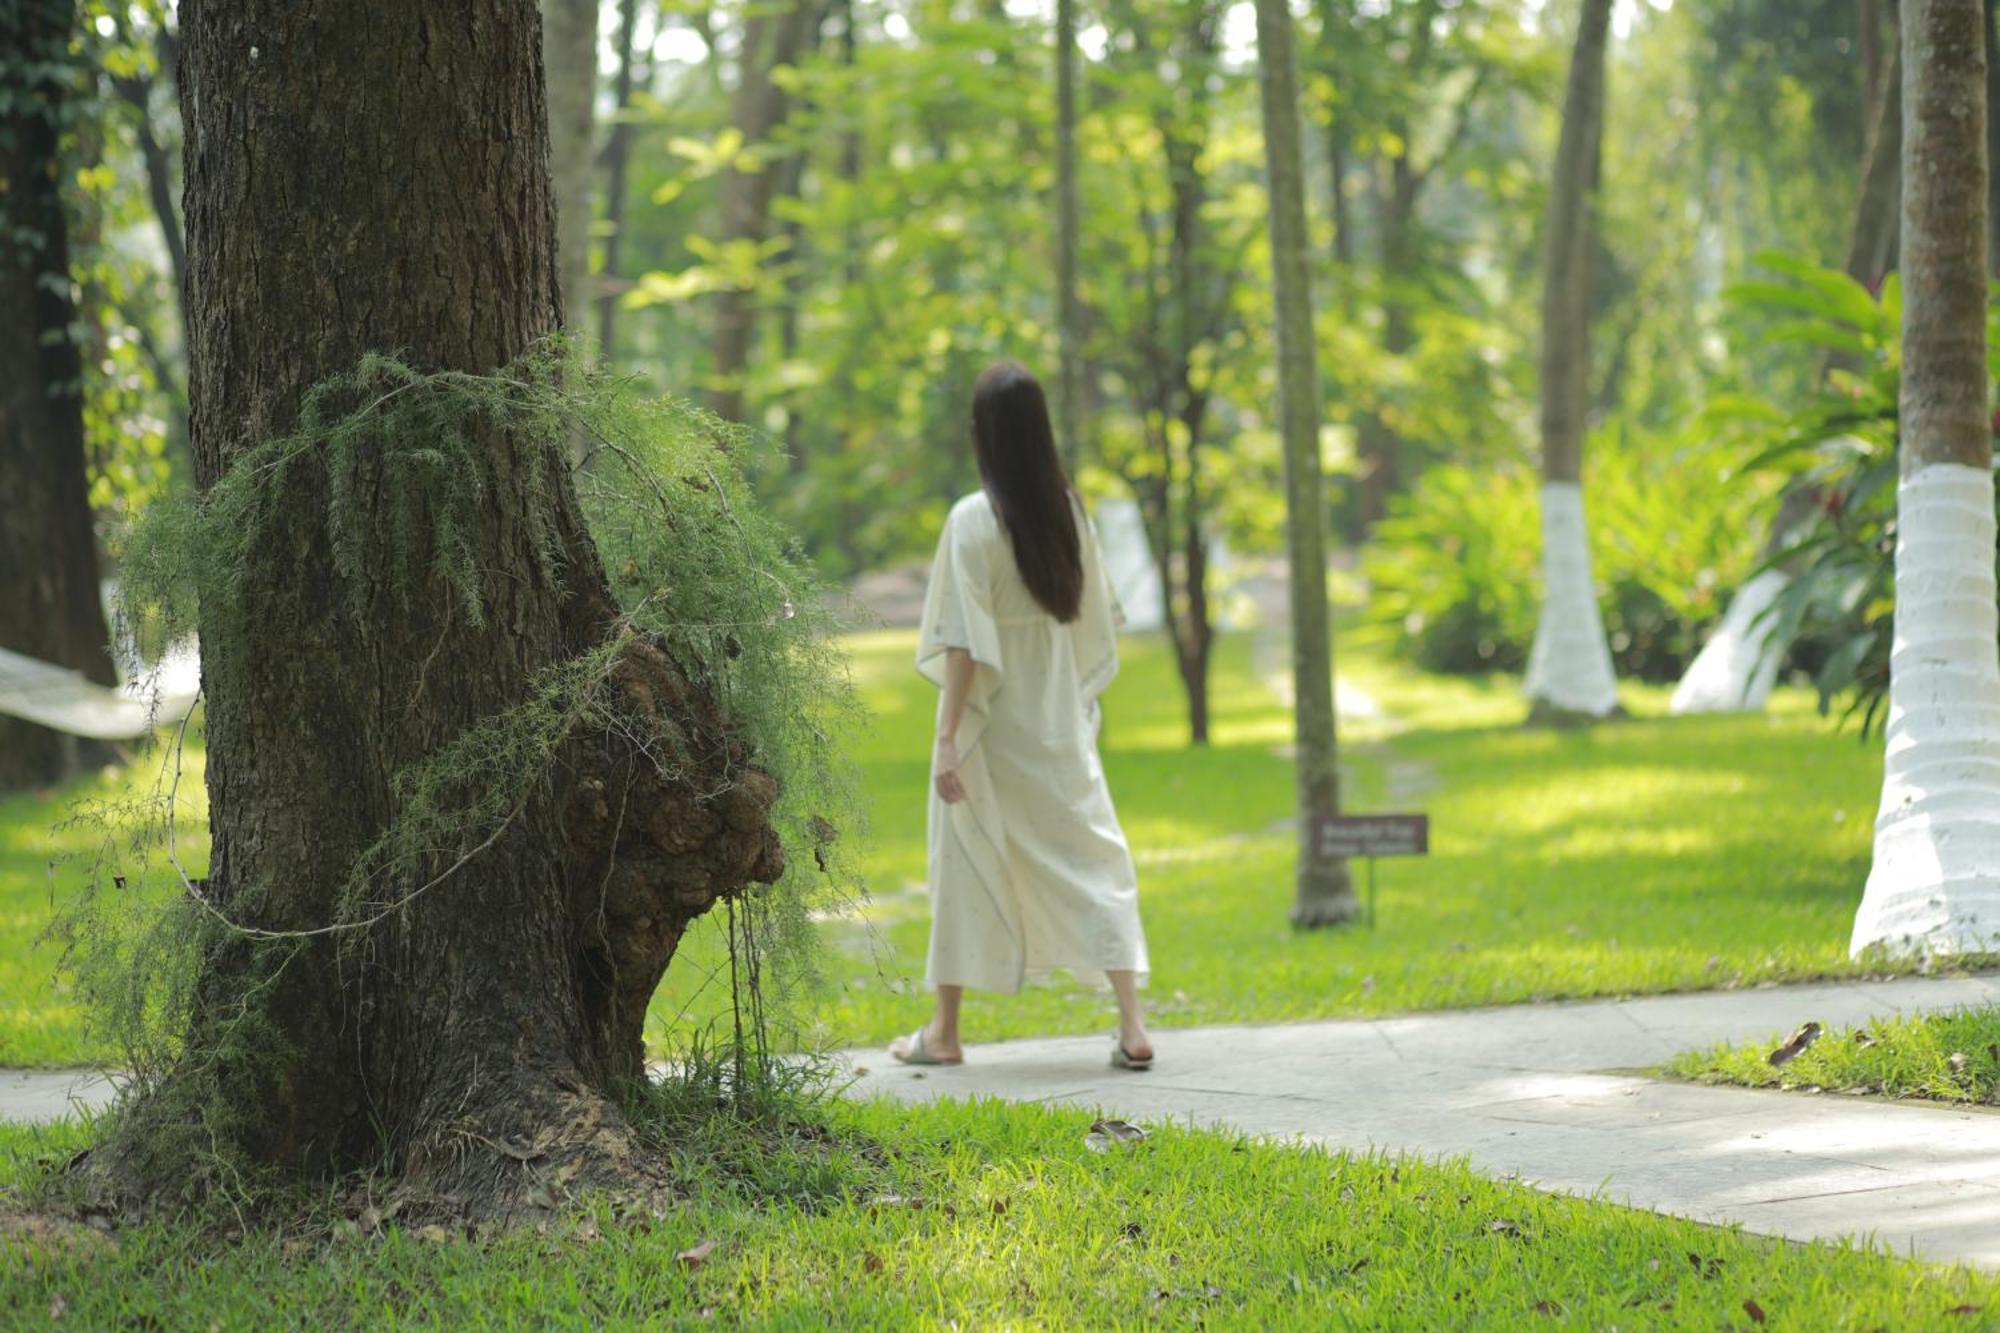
985 1215
1453 571
1947 1057
1834 451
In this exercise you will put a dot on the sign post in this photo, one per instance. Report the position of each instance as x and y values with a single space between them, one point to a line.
1370 836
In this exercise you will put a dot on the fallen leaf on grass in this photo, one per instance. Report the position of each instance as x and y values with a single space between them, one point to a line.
1132 1231
1504 1226
1548 1308
871 1263
1963 1310
1863 1040
1704 1267
1957 1061
1104 1133
894 1201
1801 1038
1755 1311
58 1306
697 1256
433 1233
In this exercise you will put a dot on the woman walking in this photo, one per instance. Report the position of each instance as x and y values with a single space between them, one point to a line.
1029 870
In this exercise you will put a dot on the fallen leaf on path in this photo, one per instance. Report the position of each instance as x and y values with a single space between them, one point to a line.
1755 1311
1803 1037
697 1256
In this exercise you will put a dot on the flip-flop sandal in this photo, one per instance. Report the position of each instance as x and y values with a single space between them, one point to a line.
915 1054
1122 1059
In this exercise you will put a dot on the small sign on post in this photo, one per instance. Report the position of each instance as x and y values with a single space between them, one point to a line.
1370 836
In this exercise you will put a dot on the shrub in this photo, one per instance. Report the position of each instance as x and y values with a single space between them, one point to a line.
1455 575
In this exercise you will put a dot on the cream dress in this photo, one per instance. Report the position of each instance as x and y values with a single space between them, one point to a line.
1031 871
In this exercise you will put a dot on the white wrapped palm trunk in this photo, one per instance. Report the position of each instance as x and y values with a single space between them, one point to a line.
1735 669
1569 667
1935 884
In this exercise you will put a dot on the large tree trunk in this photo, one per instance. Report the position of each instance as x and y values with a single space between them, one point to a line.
569 57
757 110
1935 884
1069 312
49 606
1325 893
355 186
1569 667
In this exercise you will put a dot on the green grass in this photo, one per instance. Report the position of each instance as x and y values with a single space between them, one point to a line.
983 1216
1649 855
1945 1057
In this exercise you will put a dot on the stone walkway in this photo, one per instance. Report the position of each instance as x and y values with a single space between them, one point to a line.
1539 1092
1542 1093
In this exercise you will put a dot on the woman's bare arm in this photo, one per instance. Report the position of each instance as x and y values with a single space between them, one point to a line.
958 670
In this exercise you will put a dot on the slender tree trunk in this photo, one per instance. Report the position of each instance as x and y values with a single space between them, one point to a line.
50 608
1992 136
1325 893
355 185
1069 313
617 148
757 110
1871 251
1934 887
569 59
1569 667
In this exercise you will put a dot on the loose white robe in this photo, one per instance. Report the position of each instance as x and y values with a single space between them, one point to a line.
1031 871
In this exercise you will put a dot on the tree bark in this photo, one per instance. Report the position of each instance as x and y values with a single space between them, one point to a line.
1934 886
1566 302
1325 893
1871 253
1069 313
356 186
1569 667
617 148
50 609
758 108
569 59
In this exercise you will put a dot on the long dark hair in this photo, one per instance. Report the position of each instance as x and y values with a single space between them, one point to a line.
1023 477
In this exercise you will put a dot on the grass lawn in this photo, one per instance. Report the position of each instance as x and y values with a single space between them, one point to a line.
1647 855
1654 854
984 1215
1946 1057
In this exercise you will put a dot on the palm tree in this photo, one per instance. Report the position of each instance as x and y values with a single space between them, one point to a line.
1935 883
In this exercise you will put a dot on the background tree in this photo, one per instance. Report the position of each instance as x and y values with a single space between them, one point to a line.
771 44
52 611
1069 312
1569 668
1934 886
500 997
569 58
1325 893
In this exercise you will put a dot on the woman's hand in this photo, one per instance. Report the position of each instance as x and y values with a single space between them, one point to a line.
950 787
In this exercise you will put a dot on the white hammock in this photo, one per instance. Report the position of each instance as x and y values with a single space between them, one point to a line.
63 700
